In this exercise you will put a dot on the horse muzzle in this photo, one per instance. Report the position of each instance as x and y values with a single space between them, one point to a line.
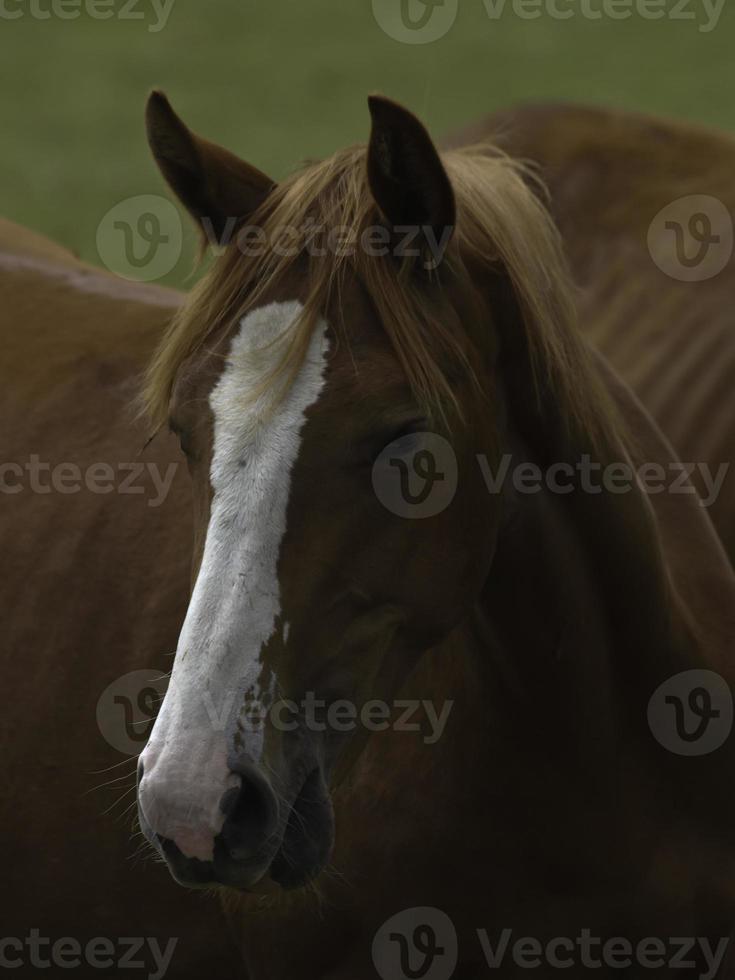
238 830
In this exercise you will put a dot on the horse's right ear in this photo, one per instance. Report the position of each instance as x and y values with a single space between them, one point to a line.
212 183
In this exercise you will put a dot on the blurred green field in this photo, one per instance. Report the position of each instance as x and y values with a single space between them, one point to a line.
279 81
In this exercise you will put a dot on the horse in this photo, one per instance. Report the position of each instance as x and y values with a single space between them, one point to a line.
670 339
346 404
94 584
547 621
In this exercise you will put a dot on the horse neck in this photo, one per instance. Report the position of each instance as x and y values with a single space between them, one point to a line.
578 603
590 605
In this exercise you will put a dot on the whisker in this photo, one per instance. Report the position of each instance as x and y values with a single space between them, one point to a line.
110 782
101 772
117 801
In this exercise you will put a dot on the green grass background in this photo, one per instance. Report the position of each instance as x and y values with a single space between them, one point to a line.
282 80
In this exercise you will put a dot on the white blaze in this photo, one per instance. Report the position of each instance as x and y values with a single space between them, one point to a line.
235 604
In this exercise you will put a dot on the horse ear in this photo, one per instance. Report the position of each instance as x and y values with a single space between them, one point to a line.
406 176
212 183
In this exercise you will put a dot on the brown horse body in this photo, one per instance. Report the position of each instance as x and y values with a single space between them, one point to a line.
610 173
93 586
544 808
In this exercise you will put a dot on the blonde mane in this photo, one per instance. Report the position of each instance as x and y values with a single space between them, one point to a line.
501 222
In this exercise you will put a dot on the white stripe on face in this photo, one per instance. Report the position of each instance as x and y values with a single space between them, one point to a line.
236 600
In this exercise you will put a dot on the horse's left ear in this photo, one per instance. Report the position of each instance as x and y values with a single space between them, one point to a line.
213 184
407 178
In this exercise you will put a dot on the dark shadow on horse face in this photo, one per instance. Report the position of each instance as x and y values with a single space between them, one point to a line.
343 528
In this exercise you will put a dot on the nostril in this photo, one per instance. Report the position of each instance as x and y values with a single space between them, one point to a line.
228 803
251 813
